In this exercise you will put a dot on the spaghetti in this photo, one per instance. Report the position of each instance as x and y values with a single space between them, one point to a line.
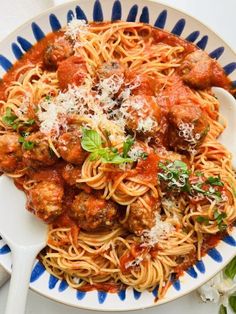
111 131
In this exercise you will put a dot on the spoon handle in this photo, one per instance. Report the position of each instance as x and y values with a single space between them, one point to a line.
22 261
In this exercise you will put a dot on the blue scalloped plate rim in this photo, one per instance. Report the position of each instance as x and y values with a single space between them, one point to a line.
164 17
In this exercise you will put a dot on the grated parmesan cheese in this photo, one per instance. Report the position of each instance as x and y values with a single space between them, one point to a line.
161 230
186 131
146 125
135 262
135 153
75 28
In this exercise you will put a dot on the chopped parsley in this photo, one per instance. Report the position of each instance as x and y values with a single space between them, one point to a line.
127 146
202 220
27 145
215 181
10 118
219 218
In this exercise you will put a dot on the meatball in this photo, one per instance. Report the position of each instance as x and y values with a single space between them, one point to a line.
70 149
45 200
142 214
40 154
142 114
71 71
71 174
56 52
188 127
198 70
10 152
93 212
141 84
108 69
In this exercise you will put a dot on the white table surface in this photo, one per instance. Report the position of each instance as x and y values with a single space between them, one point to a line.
14 13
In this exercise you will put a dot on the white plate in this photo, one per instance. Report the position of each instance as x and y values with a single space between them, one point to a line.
172 20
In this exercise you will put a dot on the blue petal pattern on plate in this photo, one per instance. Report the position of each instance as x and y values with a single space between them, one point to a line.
203 42
229 68
155 292
102 296
122 294
5 63
216 54
201 266
161 19
38 33
193 36
144 18
80 15
192 272
54 22
116 11
52 281
70 16
229 240
25 44
37 271
116 14
132 14
5 250
17 51
137 294
215 255
63 286
80 295
179 27
97 12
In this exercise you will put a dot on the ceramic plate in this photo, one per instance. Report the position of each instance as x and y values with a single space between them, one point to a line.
178 23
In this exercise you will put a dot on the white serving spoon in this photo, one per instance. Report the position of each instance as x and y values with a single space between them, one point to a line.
228 111
25 235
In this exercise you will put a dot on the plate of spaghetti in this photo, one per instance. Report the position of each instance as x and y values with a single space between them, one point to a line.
110 127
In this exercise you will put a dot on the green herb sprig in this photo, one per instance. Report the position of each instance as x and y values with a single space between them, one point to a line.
92 143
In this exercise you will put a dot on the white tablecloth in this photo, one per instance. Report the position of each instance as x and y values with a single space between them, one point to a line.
221 17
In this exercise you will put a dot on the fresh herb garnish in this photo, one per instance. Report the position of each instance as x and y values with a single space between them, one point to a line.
27 145
203 220
219 218
9 118
48 98
198 173
215 181
175 174
223 309
127 146
29 122
92 142
232 302
230 269
143 155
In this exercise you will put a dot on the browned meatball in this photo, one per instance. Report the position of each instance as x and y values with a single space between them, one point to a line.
71 71
93 212
110 68
56 52
200 71
142 217
142 114
10 152
188 127
40 154
70 149
45 200
71 174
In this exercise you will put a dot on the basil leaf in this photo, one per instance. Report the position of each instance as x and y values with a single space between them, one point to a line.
223 309
116 160
28 145
91 140
180 164
230 269
127 146
215 181
232 302
29 122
